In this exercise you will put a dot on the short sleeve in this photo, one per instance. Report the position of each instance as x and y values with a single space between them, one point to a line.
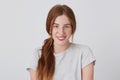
87 56
32 63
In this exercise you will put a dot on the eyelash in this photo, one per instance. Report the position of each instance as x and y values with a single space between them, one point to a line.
55 26
66 26
58 26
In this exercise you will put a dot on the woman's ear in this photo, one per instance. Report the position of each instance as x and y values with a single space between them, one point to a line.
50 31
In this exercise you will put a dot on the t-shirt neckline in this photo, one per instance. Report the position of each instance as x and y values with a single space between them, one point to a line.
62 53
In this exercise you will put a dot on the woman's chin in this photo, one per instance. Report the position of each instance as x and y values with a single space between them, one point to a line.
62 43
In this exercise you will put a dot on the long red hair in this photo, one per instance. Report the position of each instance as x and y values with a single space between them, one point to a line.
46 63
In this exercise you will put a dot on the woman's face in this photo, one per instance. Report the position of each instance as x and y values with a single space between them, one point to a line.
61 31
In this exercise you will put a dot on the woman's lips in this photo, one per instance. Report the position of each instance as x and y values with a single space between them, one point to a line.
61 38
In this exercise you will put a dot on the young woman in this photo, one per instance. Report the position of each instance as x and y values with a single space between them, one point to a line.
60 59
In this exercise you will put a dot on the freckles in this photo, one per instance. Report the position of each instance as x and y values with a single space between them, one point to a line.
54 32
69 31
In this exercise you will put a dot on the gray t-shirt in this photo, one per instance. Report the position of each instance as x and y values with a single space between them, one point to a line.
69 63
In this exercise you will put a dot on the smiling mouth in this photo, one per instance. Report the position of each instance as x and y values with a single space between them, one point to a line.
61 38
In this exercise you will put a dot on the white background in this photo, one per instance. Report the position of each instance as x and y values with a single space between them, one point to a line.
22 29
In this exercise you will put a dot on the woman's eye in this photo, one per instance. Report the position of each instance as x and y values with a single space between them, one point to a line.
55 26
66 26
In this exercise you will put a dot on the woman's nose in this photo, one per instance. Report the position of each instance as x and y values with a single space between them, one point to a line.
61 30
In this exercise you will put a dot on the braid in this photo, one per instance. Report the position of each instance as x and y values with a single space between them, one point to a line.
46 64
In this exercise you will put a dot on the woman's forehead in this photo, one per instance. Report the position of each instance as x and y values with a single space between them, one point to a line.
62 19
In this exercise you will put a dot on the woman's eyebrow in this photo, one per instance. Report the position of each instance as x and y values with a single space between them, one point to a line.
55 24
58 24
67 24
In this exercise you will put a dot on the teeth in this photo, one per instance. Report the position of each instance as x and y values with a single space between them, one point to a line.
61 38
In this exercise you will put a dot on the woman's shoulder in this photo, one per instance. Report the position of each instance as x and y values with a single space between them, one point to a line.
80 46
37 51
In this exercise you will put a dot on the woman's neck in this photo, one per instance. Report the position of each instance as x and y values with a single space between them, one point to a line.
61 48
